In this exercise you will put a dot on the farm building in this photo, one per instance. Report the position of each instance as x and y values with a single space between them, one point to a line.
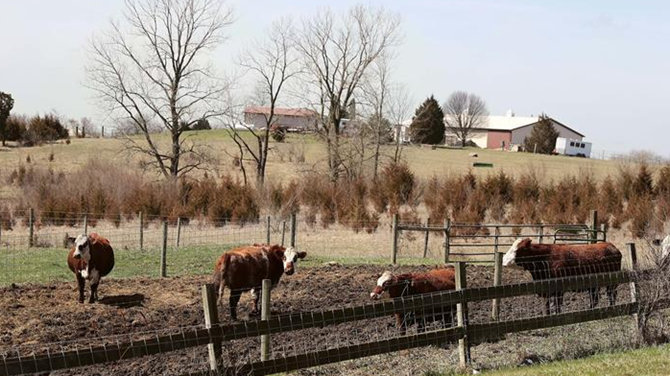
509 131
293 119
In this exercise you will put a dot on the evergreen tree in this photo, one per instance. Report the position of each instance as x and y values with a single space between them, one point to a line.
6 105
643 184
543 137
428 123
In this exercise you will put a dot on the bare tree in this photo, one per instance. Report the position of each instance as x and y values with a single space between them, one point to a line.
376 91
463 113
336 54
399 108
273 63
149 69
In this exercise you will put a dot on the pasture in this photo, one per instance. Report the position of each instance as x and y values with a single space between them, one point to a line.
47 316
303 153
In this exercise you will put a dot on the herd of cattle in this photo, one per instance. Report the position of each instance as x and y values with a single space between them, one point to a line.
243 269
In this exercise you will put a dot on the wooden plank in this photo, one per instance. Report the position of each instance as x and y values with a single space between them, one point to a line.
462 316
211 318
497 281
482 332
339 354
396 235
265 315
634 291
447 230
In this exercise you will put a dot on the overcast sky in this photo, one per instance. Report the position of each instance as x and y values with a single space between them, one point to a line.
601 67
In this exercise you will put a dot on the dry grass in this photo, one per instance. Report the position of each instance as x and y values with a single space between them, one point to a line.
286 162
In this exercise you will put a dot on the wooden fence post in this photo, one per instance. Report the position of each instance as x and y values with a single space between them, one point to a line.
425 240
631 255
178 240
265 315
211 318
396 235
603 229
497 281
462 316
541 236
294 229
31 227
267 230
447 228
141 231
594 226
164 250
283 232
85 224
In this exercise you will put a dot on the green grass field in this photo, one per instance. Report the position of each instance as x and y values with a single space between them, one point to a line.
643 362
45 265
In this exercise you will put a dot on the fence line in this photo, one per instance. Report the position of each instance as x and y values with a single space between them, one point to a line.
201 336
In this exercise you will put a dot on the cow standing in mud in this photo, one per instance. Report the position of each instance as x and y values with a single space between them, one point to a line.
545 261
443 279
243 269
90 258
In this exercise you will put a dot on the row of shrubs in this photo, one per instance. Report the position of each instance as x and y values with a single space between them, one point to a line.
35 130
631 197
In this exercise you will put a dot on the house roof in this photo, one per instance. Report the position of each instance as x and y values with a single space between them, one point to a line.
299 112
510 123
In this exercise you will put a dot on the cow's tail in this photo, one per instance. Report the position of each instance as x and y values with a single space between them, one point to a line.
220 278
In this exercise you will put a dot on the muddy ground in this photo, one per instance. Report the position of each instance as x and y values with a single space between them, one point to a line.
33 315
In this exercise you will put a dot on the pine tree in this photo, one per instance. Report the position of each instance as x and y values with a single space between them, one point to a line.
542 138
428 123
643 184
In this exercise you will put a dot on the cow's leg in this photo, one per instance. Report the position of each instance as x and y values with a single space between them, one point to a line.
559 302
234 299
256 295
547 305
594 297
95 281
611 294
81 283
400 323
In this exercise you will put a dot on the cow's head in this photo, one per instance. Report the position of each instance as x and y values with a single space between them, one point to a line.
383 284
665 247
82 248
290 259
510 258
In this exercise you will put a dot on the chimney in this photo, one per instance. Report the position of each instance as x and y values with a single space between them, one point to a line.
509 113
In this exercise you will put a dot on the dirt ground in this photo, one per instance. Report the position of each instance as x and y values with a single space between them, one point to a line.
35 317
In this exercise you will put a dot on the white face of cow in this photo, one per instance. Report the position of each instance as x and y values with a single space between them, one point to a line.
382 283
665 247
510 257
290 259
82 249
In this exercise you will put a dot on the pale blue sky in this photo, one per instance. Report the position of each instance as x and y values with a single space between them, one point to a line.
602 67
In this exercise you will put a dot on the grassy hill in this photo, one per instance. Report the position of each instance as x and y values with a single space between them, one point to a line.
304 152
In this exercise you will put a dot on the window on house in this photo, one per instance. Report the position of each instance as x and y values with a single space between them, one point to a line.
572 143
583 146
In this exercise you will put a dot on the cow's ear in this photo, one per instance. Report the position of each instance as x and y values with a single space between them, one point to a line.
301 255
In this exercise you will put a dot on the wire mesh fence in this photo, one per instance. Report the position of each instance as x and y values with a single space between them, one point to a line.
45 319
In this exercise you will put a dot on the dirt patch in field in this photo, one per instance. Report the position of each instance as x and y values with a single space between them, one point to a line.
34 315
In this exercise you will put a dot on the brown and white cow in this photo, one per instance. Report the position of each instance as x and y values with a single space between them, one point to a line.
244 268
443 279
545 261
90 258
